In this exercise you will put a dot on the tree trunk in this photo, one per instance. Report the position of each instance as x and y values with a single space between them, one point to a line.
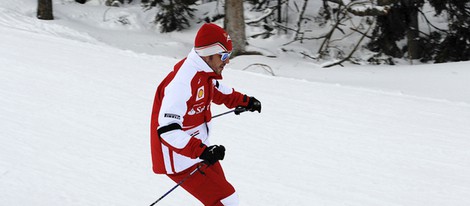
412 33
45 10
234 24
390 28
298 35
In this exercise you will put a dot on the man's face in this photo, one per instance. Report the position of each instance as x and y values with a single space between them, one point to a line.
216 64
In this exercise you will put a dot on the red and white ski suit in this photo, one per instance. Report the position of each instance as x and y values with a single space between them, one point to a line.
180 123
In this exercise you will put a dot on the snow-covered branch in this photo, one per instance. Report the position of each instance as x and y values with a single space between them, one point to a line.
267 12
369 10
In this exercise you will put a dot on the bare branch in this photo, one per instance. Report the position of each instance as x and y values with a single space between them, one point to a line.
351 53
265 67
340 2
360 32
268 12
309 56
429 22
329 35
301 17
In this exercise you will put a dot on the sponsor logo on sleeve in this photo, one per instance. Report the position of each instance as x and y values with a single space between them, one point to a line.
174 116
194 133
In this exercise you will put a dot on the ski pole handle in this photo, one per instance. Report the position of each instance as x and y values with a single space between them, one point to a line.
239 110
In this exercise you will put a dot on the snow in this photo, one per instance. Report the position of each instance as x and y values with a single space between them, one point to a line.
76 95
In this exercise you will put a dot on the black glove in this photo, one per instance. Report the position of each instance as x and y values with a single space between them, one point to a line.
254 105
213 154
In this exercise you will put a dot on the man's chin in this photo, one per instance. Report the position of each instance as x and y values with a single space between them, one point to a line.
219 71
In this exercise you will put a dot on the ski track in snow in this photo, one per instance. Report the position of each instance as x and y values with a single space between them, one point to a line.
75 131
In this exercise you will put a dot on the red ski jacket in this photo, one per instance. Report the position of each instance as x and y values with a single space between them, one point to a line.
181 115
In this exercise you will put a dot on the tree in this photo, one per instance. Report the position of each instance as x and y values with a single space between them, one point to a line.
400 22
173 15
455 44
339 15
412 31
44 11
234 24
440 45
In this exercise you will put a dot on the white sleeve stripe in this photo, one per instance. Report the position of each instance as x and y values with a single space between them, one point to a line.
176 138
166 159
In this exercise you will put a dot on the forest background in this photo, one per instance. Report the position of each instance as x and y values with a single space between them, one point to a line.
331 31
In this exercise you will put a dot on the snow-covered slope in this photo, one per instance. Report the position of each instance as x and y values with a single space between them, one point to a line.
74 126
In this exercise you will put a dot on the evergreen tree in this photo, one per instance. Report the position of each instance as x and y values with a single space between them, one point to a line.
173 15
456 44
400 22
441 45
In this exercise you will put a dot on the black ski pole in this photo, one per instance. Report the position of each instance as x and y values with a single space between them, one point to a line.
179 183
237 111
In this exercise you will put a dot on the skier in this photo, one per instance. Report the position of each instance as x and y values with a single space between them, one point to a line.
181 118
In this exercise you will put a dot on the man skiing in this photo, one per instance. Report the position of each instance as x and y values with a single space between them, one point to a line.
181 118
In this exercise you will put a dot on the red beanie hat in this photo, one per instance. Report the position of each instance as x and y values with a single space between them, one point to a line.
211 39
